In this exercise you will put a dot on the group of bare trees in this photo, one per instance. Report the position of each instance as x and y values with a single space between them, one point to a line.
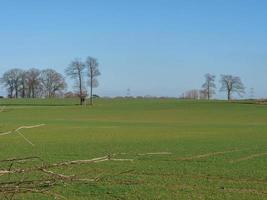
82 73
33 83
48 83
229 84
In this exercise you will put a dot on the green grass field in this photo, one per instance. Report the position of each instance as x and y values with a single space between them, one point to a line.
218 149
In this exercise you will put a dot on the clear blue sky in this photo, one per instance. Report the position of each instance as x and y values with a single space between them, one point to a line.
156 47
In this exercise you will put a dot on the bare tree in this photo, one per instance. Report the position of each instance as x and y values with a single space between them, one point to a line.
17 80
93 72
232 84
11 80
33 82
23 84
52 83
203 94
192 94
76 71
8 83
209 86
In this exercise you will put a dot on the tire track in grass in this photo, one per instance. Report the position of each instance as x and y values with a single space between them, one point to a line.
221 189
208 155
206 177
249 157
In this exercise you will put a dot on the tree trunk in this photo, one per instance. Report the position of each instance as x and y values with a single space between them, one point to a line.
16 93
80 88
229 95
33 92
91 89
81 100
208 92
91 92
23 91
11 93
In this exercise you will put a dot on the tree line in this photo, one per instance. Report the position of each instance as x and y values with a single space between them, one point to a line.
33 83
229 84
48 83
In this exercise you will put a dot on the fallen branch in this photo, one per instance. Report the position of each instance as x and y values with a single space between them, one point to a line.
21 128
77 162
20 159
29 127
57 175
57 165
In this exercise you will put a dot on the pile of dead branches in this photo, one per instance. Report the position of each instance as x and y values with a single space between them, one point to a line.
41 178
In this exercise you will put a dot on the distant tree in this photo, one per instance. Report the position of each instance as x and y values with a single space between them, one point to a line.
192 94
8 83
11 80
33 82
23 84
93 72
203 94
17 80
232 84
76 71
52 83
209 86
